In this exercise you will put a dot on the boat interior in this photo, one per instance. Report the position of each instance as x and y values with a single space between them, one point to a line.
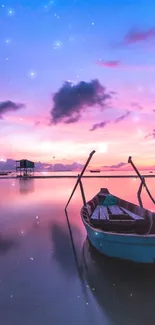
112 214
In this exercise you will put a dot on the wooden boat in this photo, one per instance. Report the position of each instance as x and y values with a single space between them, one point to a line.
95 171
3 173
118 228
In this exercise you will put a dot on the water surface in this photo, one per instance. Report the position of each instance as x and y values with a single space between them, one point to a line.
39 279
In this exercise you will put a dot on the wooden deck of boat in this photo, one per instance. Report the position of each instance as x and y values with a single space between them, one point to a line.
113 211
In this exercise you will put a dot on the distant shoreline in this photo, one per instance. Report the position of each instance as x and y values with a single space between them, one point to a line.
76 176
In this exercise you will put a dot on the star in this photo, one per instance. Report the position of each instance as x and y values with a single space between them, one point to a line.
11 12
57 45
55 15
7 41
32 74
136 119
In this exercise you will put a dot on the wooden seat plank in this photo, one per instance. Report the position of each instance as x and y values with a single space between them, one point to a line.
95 215
114 209
103 212
131 214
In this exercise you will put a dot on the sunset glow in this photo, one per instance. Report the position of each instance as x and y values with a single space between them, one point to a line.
77 77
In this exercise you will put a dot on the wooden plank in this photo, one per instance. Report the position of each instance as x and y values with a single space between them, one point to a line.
95 215
103 212
114 209
131 214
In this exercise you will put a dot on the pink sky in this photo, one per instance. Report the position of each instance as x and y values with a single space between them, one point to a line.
60 48
113 143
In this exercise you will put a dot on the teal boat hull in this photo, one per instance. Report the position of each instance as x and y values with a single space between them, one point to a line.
135 248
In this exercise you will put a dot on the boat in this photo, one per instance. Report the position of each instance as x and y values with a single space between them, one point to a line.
118 228
3 173
95 171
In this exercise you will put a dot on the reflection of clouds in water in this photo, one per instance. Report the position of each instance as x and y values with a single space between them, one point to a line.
125 291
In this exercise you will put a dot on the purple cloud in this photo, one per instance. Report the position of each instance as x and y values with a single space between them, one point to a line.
72 100
121 164
122 117
99 125
136 36
117 120
8 106
73 119
109 64
137 106
152 135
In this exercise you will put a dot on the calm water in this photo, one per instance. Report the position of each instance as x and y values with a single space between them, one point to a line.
39 279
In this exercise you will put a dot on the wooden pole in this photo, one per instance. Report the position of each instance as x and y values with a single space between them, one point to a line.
139 195
136 170
80 176
82 191
141 178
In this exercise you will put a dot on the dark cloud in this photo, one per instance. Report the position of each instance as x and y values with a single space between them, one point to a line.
9 106
73 119
121 164
137 106
109 64
122 117
152 135
136 36
99 125
154 110
72 100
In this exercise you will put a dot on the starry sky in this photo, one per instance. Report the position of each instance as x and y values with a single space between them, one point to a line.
77 75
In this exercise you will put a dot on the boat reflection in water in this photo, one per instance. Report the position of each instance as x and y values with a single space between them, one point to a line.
122 292
125 291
